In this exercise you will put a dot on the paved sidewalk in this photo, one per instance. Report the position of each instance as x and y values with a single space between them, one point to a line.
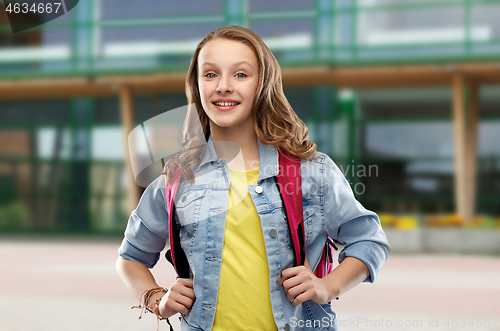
71 284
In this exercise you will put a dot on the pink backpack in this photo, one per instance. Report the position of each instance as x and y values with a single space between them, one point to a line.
293 209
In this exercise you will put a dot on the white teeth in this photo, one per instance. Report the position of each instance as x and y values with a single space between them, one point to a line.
225 104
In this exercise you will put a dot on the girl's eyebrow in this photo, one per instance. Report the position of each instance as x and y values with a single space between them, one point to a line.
234 64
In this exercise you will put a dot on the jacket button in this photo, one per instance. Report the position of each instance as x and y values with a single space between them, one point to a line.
258 189
287 327
183 198
272 233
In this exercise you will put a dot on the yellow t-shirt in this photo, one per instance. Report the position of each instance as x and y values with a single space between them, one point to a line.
244 301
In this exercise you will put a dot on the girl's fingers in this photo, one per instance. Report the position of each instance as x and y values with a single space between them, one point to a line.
188 282
171 306
183 300
292 282
184 286
295 291
178 303
186 291
177 307
181 296
302 297
290 272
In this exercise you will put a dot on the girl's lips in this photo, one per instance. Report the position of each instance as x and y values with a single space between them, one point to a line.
226 108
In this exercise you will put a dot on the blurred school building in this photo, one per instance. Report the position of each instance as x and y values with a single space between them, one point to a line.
404 95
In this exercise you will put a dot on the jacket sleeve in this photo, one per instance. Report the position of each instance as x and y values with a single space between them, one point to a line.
147 229
348 222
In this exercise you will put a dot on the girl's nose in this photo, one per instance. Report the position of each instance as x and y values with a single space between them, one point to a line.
224 85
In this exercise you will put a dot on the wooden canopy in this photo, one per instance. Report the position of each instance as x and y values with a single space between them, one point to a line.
464 78
342 77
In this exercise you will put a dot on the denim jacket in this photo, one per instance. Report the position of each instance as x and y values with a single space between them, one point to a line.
329 208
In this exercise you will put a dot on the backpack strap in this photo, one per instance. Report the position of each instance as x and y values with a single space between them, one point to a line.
290 178
175 255
325 265
289 181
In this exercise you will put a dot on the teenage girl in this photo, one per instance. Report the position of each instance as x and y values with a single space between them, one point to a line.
232 225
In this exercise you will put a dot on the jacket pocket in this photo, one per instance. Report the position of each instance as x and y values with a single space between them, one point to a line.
308 212
187 326
308 222
321 317
188 209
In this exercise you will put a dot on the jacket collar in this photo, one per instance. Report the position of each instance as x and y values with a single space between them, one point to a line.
208 154
268 158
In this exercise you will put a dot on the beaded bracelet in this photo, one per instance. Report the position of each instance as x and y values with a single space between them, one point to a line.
144 304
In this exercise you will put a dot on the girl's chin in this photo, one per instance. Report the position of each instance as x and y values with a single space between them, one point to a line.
227 124
224 125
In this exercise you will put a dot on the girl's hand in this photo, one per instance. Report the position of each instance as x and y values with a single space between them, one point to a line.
178 299
300 284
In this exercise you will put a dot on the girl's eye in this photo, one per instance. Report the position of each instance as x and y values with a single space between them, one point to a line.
211 73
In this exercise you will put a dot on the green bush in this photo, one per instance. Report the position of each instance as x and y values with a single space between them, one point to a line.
13 216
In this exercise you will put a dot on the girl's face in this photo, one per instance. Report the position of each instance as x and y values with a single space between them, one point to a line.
227 72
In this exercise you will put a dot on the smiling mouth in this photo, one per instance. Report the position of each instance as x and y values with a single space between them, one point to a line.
225 104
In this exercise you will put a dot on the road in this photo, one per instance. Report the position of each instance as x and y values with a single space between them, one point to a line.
70 284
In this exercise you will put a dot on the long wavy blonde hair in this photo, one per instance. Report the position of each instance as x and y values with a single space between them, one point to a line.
276 122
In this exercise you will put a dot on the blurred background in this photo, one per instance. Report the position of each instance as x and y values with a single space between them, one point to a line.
404 95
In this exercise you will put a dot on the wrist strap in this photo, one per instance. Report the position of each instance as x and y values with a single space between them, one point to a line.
168 322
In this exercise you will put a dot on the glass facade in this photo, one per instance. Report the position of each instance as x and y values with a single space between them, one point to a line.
62 160
408 135
102 36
